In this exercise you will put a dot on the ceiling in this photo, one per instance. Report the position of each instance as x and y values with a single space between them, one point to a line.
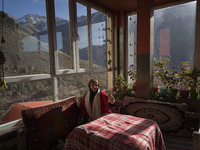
131 5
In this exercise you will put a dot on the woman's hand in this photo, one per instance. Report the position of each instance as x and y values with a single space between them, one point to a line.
111 99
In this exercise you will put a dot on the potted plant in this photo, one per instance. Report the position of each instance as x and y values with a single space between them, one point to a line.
155 88
122 88
194 74
198 87
161 73
185 80
173 83
132 74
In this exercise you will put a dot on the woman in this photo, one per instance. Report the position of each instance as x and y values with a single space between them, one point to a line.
95 103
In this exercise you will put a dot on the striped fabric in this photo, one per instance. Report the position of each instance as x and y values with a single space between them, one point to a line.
116 132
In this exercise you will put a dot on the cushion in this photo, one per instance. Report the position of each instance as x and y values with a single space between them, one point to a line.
46 124
71 116
169 116
44 131
51 127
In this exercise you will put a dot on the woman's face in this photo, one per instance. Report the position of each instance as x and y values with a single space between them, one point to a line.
94 87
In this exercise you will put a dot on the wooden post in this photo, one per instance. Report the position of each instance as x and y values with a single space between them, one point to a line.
145 48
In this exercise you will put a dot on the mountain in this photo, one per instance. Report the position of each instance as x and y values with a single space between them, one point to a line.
95 18
98 17
31 19
33 24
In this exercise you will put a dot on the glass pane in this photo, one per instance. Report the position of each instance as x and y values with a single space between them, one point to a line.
65 54
26 38
132 55
22 92
175 33
83 35
102 77
77 85
73 85
99 39
174 48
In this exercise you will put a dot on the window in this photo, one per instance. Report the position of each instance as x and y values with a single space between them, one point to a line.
132 39
62 21
99 39
27 54
73 85
102 78
25 32
20 92
175 33
97 52
29 50
82 25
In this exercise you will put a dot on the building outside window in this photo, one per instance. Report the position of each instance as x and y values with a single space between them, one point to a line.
174 39
174 33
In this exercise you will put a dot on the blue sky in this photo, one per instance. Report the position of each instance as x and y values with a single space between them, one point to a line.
19 8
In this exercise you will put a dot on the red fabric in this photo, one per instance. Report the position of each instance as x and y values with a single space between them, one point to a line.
16 108
51 126
44 124
104 104
116 131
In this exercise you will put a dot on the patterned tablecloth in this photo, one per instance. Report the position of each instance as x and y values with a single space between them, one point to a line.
116 132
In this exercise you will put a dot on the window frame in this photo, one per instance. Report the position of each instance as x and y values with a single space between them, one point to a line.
55 73
54 68
127 46
89 7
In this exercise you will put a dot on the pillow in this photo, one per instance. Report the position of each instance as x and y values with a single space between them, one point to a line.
61 117
44 131
71 115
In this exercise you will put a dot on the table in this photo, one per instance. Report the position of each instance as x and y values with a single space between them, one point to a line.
116 132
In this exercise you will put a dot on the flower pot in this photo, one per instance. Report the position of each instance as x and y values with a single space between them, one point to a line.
193 94
173 92
163 91
184 93
155 89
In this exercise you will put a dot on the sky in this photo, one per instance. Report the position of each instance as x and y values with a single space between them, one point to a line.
19 8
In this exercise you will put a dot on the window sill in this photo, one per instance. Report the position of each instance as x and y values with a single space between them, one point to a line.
11 126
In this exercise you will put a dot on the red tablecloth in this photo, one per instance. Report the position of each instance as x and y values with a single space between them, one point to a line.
116 132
